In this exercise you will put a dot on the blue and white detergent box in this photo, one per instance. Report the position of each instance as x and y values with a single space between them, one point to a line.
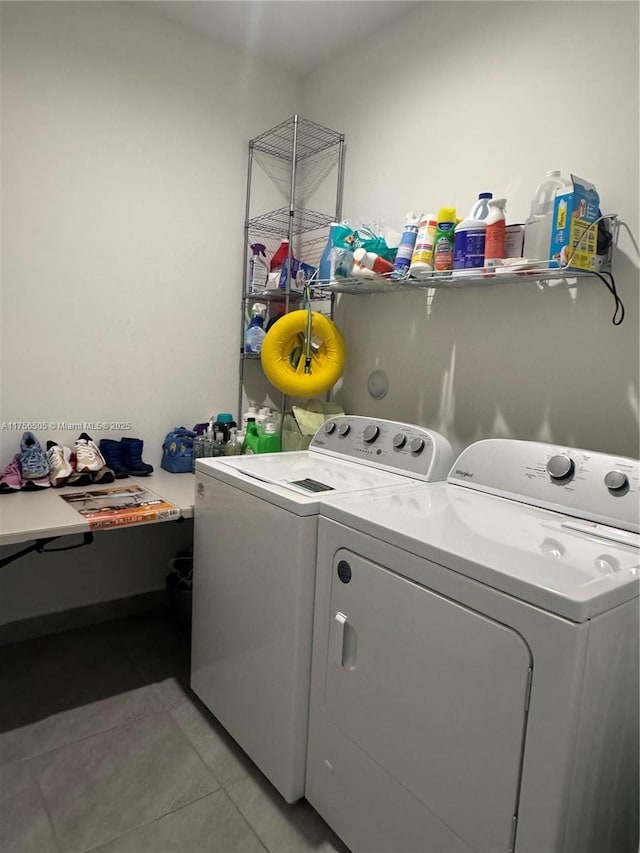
574 236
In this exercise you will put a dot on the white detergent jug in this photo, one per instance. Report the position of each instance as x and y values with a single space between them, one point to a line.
537 229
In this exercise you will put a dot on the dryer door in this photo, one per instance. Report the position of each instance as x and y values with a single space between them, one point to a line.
433 692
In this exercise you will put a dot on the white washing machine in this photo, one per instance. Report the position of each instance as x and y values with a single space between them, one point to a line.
475 658
256 522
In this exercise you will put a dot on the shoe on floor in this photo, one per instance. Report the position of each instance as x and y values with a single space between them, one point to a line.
104 475
59 461
112 452
33 459
88 457
11 477
132 457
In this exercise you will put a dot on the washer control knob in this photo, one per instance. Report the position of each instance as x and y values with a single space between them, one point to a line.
344 429
616 480
417 445
371 432
560 466
399 440
330 427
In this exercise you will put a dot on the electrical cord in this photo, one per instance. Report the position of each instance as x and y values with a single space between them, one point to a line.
605 238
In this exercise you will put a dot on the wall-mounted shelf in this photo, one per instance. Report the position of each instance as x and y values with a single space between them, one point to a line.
543 272
382 284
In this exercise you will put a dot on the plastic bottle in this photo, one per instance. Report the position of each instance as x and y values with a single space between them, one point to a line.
263 416
199 449
218 444
372 261
443 240
251 412
406 245
422 258
325 267
254 336
480 209
470 234
280 256
252 437
269 441
495 243
258 268
537 229
223 422
234 446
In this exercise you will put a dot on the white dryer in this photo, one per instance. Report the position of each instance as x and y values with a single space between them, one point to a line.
475 658
256 521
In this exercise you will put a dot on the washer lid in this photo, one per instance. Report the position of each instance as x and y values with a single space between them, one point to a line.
539 556
297 481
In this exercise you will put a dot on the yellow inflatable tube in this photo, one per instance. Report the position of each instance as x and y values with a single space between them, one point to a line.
283 354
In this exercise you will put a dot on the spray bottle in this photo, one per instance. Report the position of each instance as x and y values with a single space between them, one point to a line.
254 336
258 268
422 258
495 242
443 241
406 246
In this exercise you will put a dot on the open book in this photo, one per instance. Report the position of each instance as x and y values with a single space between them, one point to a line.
112 506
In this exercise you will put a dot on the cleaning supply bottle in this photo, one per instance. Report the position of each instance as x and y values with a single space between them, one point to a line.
537 228
470 234
254 336
218 444
325 267
234 446
279 256
372 261
406 245
443 240
494 249
252 437
223 423
258 268
422 258
269 441
251 412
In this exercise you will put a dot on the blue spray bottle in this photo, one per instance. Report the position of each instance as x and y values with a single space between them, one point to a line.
406 246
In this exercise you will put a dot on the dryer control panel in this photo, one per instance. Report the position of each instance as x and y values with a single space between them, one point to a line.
596 486
416 451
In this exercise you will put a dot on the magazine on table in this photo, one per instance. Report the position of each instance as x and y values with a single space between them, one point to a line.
112 506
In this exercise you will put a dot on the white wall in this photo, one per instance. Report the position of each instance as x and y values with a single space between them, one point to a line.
457 98
124 169
124 150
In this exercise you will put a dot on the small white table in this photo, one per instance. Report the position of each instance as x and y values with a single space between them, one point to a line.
26 516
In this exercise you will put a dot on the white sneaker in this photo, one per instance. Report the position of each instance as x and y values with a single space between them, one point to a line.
59 460
88 457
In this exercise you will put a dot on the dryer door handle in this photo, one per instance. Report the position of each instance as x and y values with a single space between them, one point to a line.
344 642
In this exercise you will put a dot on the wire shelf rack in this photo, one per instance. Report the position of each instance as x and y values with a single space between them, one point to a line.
311 139
276 222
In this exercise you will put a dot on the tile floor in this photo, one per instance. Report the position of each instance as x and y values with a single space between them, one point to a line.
103 747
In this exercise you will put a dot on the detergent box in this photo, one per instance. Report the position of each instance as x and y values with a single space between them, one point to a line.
574 236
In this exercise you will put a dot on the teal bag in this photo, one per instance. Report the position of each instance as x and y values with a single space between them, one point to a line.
177 451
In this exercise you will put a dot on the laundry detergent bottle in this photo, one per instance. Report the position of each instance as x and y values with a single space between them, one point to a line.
537 228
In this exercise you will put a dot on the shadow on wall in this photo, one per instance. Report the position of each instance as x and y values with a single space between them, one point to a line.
510 360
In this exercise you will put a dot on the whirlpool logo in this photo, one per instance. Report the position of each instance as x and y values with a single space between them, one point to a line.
464 474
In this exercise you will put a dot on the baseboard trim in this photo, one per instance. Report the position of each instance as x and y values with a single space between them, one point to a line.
80 617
